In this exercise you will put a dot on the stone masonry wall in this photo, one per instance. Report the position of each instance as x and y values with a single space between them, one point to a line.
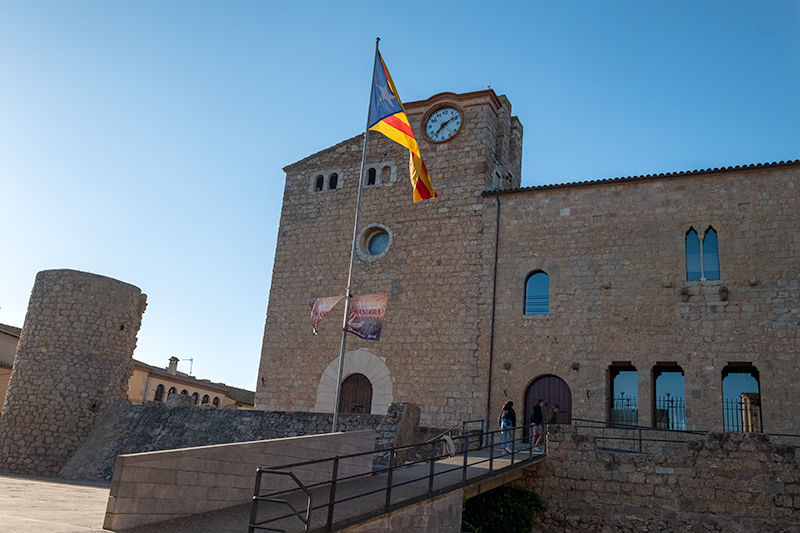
438 515
615 255
430 338
125 429
74 358
716 482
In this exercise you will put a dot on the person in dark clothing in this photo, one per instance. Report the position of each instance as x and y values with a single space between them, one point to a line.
537 432
552 416
508 421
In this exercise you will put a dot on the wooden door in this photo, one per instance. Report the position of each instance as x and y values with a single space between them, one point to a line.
356 396
554 391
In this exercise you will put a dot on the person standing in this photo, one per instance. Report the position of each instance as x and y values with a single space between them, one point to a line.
537 432
552 416
508 420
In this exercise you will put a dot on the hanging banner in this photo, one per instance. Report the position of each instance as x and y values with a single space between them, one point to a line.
321 307
365 318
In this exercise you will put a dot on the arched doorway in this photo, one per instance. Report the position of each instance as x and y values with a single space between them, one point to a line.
356 395
554 391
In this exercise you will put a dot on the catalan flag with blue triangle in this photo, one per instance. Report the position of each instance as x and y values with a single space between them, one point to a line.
386 115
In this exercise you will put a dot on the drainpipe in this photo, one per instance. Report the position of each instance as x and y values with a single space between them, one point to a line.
491 331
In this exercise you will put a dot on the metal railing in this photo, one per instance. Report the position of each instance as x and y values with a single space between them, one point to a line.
395 460
612 436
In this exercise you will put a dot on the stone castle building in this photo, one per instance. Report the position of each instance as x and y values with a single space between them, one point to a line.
665 300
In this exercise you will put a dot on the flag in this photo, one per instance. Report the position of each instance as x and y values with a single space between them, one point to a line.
321 307
387 116
365 318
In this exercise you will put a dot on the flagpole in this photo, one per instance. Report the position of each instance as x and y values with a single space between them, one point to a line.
348 295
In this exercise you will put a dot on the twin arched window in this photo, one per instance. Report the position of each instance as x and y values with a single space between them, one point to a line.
319 182
537 294
702 257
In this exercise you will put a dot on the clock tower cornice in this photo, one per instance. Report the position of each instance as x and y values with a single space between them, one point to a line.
463 100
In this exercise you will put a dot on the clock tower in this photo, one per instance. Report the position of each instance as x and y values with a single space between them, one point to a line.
429 257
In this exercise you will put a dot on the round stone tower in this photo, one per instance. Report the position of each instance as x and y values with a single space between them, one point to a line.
74 358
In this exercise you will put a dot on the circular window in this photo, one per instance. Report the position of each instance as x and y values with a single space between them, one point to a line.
378 243
373 242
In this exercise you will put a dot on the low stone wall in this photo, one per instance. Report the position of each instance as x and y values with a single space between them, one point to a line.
126 429
158 486
720 481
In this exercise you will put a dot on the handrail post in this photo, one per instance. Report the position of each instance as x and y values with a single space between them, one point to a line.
254 506
466 462
388 504
513 442
433 468
490 438
332 496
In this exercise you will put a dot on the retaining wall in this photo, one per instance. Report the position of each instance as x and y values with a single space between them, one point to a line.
126 429
719 481
158 486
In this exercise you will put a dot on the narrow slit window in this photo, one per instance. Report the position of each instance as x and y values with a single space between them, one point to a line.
371 176
333 181
320 183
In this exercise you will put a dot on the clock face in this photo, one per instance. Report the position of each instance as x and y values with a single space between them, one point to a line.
443 124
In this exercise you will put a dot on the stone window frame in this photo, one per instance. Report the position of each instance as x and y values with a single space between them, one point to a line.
158 395
363 238
326 177
380 175
360 361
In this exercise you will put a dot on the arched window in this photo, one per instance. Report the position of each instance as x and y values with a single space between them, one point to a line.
702 261
333 181
196 398
537 294
371 173
710 254
186 392
741 397
215 403
386 174
670 397
320 183
205 399
694 269
624 381
159 396
172 390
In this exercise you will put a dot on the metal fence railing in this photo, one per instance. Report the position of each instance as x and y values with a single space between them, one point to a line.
631 437
323 497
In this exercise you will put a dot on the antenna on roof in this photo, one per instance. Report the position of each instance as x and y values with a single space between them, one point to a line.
191 363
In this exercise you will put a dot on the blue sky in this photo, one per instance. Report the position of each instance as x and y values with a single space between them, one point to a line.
144 140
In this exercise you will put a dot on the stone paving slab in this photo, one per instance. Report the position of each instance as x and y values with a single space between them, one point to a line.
37 505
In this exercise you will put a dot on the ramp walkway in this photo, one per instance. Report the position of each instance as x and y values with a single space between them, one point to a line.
362 497
34 505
